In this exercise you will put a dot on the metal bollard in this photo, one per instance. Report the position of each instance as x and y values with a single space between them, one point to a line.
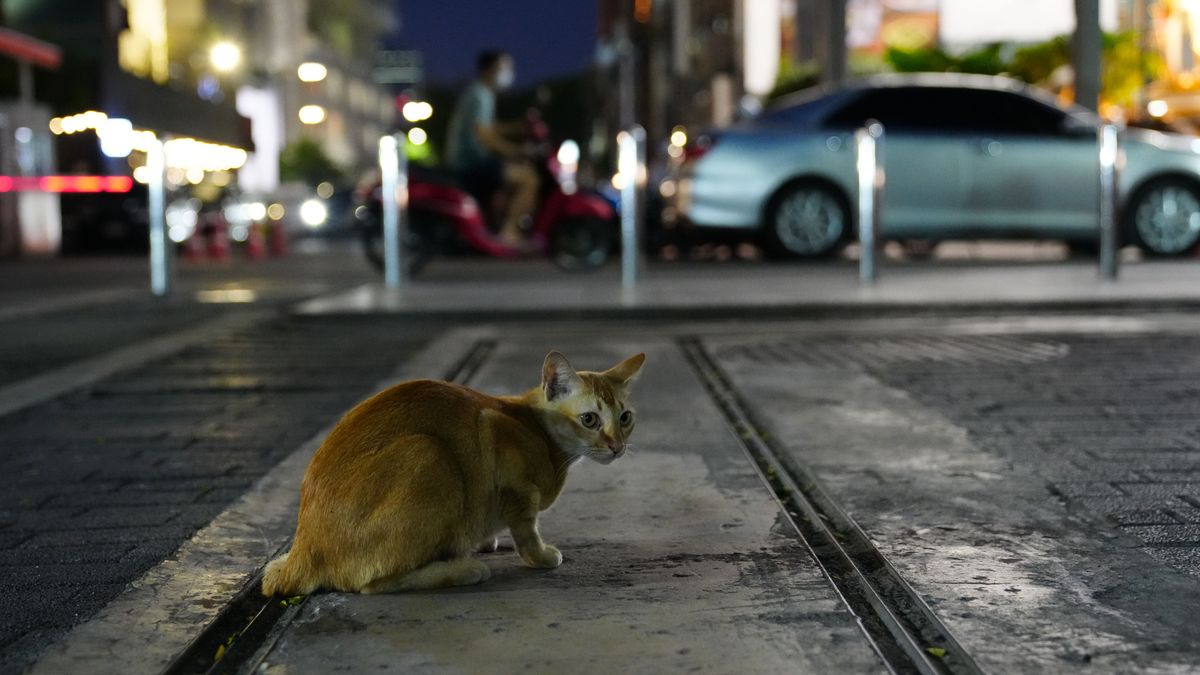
631 165
1110 167
160 259
868 143
393 170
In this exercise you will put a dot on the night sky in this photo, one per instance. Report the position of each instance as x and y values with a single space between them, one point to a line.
546 37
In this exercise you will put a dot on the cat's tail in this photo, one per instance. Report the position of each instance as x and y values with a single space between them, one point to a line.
288 575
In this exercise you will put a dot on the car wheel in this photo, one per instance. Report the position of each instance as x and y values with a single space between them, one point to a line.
581 244
919 249
806 220
1164 217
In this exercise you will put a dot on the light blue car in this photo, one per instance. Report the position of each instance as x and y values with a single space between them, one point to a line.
964 157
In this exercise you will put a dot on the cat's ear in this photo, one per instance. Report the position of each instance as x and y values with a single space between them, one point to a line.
626 372
559 379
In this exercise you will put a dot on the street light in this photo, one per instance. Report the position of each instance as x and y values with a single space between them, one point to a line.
225 56
310 71
312 114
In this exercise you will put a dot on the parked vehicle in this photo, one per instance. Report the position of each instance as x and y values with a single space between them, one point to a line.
964 157
575 227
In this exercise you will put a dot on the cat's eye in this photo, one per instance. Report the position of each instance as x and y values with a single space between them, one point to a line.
590 420
627 418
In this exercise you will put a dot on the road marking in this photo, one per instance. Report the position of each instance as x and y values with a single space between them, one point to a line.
46 386
158 616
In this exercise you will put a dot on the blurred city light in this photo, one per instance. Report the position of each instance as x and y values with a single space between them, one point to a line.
312 114
313 212
65 183
1157 108
275 211
116 137
256 211
679 137
227 296
325 190
417 111
568 162
225 56
182 152
568 152
182 216
189 153
311 71
417 136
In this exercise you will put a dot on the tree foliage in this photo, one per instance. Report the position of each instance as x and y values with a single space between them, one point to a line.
305 160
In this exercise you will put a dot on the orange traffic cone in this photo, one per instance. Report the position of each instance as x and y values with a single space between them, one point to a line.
218 240
193 248
279 240
256 243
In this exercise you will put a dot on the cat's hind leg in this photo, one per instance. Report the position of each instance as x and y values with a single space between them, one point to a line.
440 574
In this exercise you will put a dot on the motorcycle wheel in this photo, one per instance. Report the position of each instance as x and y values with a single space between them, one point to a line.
418 250
581 244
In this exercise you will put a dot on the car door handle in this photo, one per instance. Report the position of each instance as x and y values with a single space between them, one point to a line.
989 146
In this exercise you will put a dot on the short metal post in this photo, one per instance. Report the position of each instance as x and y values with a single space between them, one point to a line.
160 259
393 168
631 166
868 143
1110 167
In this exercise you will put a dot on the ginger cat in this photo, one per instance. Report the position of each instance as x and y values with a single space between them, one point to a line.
416 479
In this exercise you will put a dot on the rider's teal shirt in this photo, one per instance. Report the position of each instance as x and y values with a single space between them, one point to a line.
475 108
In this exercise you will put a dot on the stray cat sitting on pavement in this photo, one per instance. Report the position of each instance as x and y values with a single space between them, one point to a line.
416 479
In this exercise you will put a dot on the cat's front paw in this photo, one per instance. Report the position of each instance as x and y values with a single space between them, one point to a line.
547 558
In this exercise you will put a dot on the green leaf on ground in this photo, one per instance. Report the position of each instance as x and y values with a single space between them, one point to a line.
294 600
936 651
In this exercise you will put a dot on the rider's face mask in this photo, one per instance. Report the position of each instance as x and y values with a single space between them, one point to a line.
504 78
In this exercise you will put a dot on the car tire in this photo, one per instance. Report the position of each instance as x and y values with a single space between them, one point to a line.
1163 217
919 249
582 244
806 220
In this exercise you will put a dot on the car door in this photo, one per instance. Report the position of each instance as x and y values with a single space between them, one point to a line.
923 157
1029 173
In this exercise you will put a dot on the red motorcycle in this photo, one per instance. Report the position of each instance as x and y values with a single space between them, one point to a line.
575 228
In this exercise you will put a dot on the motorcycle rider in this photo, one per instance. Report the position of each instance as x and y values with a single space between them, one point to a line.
479 151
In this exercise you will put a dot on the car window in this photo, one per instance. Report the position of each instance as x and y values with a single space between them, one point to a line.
794 110
948 110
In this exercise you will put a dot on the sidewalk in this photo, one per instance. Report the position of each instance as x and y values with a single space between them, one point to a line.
533 289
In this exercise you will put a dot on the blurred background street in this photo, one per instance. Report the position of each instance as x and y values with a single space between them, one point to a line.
918 283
